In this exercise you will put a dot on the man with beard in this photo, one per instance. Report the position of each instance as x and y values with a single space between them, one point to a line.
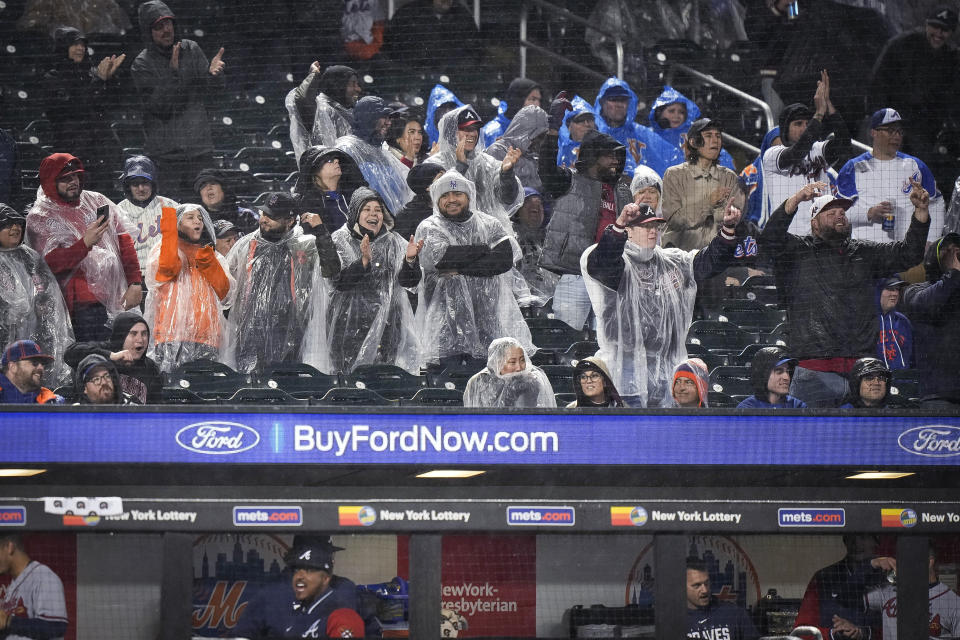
826 280
21 372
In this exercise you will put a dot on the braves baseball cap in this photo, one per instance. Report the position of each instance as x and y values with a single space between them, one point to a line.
279 206
646 215
224 228
944 16
310 556
468 118
616 91
345 623
885 117
828 201
23 350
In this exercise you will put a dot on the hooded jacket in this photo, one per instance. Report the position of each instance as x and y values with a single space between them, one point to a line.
241 217
32 307
517 92
332 206
527 125
593 363
895 335
80 374
142 219
173 101
696 370
439 96
370 320
573 224
332 82
828 290
319 110
643 145
141 380
382 170
677 136
861 369
188 287
934 308
55 228
489 388
752 178
567 148
420 207
764 362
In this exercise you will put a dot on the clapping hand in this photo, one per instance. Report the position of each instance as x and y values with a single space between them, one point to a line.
413 249
509 160
366 254
109 66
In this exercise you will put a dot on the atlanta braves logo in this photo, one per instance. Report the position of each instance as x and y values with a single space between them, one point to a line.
906 186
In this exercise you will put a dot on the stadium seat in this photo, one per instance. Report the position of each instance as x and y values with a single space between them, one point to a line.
128 134
178 395
560 376
731 381
351 397
745 357
434 397
299 380
579 350
544 356
388 380
264 159
751 315
905 383
712 360
208 379
779 336
550 333
720 399
563 399
261 396
760 288
719 336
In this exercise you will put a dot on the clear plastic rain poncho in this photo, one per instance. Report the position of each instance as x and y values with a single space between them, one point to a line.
644 177
642 327
52 225
381 169
458 313
185 312
529 123
482 169
521 389
32 308
275 285
373 322
329 124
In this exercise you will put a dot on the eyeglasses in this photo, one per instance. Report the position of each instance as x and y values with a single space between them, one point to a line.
871 377
589 377
101 379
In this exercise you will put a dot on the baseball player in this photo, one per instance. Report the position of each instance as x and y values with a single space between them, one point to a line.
32 605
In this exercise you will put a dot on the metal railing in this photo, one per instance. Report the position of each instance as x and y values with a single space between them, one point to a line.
560 11
709 79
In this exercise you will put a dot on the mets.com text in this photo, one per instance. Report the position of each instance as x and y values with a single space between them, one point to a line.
421 438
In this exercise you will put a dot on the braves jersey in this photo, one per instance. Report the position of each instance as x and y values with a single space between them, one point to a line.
779 184
35 594
275 613
944 610
871 181
720 621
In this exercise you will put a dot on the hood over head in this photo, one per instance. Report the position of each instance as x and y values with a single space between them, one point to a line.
863 368
64 38
528 123
644 177
439 96
216 175
333 83
139 167
660 126
314 157
361 197
368 110
694 369
421 176
122 323
497 354
594 143
51 167
10 216
209 235
934 254
517 93
593 363
764 361
86 367
614 87
452 181
795 111
148 13
768 139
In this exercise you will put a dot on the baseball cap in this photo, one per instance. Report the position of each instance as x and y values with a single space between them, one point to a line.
884 117
701 125
782 361
893 283
310 555
345 623
223 228
616 91
530 192
23 350
828 201
583 116
646 215
279 206
174 18
74 166
468 118
944 16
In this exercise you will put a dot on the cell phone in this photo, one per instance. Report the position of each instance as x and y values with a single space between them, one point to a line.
103 212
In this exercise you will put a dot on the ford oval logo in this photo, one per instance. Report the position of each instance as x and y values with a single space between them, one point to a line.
217 438
933 440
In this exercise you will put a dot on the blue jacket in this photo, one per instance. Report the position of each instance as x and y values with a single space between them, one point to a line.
894 338
789 402
274 612
567 149
752 177
496 127
720 621
9 394
643 145
439 96
677 136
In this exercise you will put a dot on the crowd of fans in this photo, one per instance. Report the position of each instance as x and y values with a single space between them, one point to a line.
420 239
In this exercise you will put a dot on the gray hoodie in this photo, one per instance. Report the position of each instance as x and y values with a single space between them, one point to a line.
529 123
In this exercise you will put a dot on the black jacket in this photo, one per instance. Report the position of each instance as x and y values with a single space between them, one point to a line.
420 207
829 289
242 218
934 310
333 207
